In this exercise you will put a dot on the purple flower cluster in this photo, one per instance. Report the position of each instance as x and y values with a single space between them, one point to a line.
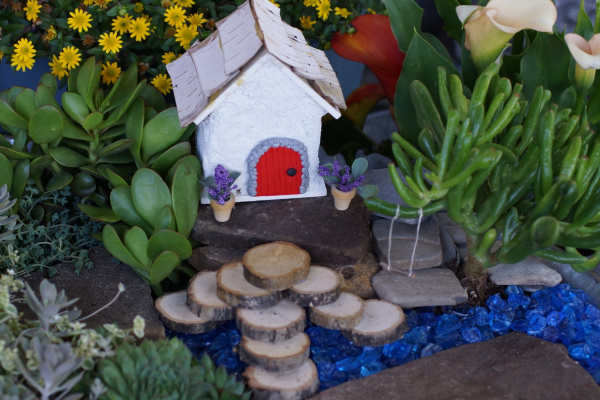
342 181
223 182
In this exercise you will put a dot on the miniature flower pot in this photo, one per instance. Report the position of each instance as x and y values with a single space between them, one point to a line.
223 212
342 199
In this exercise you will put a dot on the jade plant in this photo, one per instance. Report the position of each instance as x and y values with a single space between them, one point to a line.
521 171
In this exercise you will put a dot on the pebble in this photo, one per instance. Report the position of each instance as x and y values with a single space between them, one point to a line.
527 272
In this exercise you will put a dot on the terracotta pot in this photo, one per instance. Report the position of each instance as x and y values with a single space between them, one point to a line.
342 199
223 212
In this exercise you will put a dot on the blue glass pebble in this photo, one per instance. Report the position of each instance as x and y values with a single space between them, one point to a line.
431 349
472 335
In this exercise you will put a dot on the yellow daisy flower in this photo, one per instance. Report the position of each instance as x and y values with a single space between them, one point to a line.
32 10
196 19
163 83
169 57
139 29
184 3
24 50
121 24
21 63
343 12
57 69
323 8
138 7
80 20
88 2
103 4
110 42
306 23
185 35
311 3
69 57
175 16
50 34
110 73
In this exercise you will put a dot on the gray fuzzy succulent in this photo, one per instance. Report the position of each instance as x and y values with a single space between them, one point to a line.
8 223
11 390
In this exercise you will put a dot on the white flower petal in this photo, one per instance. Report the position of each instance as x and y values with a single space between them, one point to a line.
515 15
582 51
464 12
595 44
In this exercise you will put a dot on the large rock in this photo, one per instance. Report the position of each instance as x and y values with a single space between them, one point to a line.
428 253
97 286
428 287
210 258
331 237
514 366
527 272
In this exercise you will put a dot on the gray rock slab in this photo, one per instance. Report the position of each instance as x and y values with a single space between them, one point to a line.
97 286
450 254
454 230
428 287
511 367
528 272
331 237
428 253
210 258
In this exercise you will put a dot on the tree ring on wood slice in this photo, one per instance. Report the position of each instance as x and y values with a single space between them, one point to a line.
382 323
275 357
276 265
344 313
274 324
235 290
321 286
294 384
176 315
203 300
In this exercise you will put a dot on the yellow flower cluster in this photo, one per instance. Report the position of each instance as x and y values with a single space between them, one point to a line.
323 8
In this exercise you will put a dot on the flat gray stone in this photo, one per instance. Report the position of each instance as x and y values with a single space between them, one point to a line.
528 272
450 254
511 367
429 250
428 287
454 230
210 258
331 237
97 286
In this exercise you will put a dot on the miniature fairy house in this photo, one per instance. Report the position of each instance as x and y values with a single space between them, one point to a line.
257 92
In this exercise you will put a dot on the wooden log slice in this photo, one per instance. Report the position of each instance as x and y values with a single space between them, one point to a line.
275 357
321 286
382 323
294 384
176 315
203 300
344 313
235 290
276 265
274 324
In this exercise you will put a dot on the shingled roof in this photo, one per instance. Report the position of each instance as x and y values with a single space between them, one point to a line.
256 26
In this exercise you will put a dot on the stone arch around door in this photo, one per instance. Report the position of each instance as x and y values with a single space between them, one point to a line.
278 166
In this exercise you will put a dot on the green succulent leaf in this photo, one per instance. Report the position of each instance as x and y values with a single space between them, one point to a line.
164 240
134 128
165 219
121 201
191 160
150 193
359 166
185 196
16 155
114 245
45 97
59 181
75 106
167 159
115 177
46 125
25 103
161 132
99 214
136 241
9 117
49 81
115 147
6 172
20 177
92 121
39 164
67 157
88 81
163 266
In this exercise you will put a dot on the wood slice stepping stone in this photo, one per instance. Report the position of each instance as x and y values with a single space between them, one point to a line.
321 286
343 314
295 384
276 265
274 324
176 315
235 290
203 300
382 323
275 357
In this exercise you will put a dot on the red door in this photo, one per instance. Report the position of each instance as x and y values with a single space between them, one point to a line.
279 172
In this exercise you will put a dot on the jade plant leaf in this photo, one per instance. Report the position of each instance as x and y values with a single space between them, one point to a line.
121 201
59 181
49 81
25 103
6 172
46 125
45 97
16 155
134 128
115 147
164 240
115 177
161 132
191 160
165 219
39 164
359 166
150 193
67 157
75 106
136 241
99 214
162 266
185 195
153 98
115 246
20 177
8 116
93 120
166 160
88 81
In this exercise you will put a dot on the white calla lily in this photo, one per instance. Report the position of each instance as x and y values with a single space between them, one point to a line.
489 29
587 56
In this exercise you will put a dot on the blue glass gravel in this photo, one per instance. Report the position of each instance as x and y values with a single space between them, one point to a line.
560 315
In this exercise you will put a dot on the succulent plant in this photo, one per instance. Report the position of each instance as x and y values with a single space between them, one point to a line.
502 166
165 370
8 224
11 390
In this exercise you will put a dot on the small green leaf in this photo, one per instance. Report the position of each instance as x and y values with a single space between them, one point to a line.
45 97
405 18
46 125
115 246
6 172
16 155
67 157
25 103
191 160
59 181
150 193
163 266
115 147
20 177
115 177
367 191
584 26
92 120
39 164
49 81
75 106
161 132
88 81
121 201
166 160
165 219
136 242
153 98
185 197
9 117
359 166
164 240
106 215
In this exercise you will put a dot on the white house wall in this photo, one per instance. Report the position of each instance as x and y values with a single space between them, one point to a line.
264 102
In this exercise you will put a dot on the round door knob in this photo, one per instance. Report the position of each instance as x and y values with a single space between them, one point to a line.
291 171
